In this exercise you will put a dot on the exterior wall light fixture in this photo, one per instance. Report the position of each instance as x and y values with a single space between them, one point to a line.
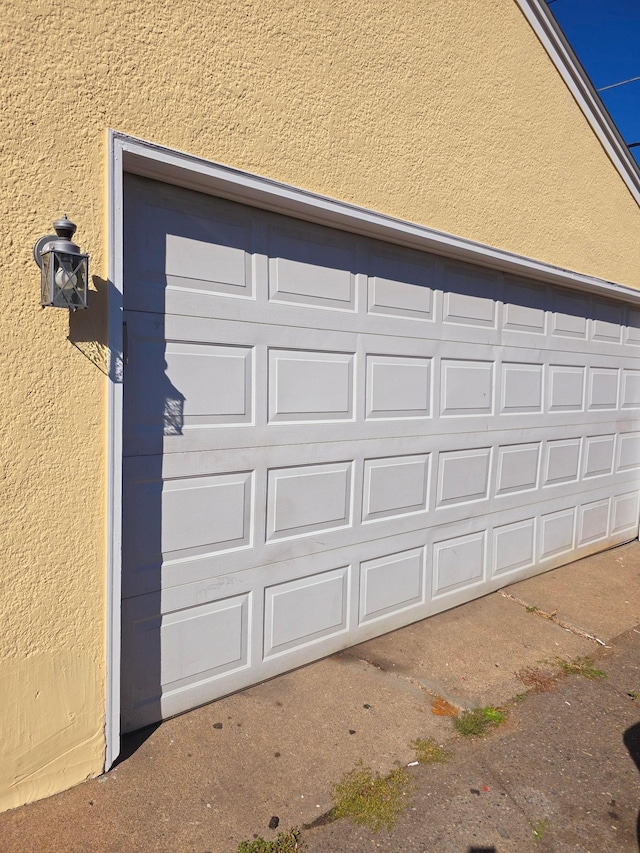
64 269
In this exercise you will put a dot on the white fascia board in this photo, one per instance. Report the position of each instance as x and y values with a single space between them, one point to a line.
561 54
174 167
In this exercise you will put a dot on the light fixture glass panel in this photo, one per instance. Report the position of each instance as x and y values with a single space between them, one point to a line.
69 281
45 280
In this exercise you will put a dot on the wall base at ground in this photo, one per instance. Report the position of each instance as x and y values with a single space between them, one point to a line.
50 701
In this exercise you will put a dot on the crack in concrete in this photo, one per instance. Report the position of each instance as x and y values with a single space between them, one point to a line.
551 617
521 807
431 689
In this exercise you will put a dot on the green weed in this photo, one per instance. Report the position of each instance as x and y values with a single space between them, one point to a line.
429 752
284 842
370 798
580 666
477 722
539 827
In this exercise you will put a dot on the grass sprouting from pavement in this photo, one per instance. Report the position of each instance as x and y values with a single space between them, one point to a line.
430 752
371 799
284 842
539 827
477 722
583 666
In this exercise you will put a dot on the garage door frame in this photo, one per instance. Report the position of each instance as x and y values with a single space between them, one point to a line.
128 154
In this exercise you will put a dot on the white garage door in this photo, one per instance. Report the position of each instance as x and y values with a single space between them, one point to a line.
328 436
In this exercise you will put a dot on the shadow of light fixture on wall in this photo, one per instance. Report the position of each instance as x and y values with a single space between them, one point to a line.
64 269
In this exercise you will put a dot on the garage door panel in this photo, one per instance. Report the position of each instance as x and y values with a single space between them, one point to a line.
287 640
403 584
598 456
327 437
566 389
628 451
204 641
607 320
467 387
401 286
184 518
570 346
208 252
513 547
214 380
570 315
517 464
518 467
517 536
593 521
383 429
398 387
395 486
602 388
472 296
176 387
625 513
309 268
391 584
309 499
410 275
331 505
562 461
557 532
521 388
525 309
630 388
181 654
324 597
631 333
307 385
463 476
459 563
213 257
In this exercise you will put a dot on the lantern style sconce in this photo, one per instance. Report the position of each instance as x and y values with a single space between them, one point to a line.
64 269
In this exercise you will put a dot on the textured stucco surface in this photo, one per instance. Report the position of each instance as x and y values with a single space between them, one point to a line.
445 113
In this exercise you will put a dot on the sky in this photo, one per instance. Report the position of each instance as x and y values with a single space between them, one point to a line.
605 35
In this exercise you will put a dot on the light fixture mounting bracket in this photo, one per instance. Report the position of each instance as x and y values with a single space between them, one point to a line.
39 246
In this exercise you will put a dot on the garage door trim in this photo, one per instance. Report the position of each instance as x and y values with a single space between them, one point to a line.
127 154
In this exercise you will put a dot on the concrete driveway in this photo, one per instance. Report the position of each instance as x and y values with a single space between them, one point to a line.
559 775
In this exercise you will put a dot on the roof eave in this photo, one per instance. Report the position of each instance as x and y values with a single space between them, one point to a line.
587 98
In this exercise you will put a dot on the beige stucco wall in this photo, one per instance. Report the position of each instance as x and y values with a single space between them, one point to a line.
447 113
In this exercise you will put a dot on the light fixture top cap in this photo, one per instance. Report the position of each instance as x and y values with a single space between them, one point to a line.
59 242
64 227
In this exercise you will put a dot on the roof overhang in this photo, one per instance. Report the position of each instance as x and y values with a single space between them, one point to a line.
552 38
